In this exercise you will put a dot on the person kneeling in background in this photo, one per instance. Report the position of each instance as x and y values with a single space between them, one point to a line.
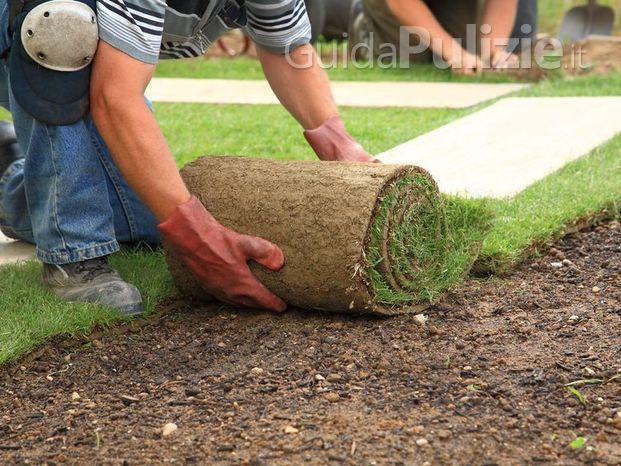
446 22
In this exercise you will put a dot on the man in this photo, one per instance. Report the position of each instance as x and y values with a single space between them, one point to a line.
446 22
89 180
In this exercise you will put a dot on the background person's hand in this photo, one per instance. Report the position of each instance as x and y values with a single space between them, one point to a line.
219 257
331 142
465 64
503 60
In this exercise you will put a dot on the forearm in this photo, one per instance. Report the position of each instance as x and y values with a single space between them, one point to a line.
500 15
140 152
416 14
300 84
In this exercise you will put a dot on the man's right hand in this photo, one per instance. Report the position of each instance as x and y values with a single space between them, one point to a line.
219 256
465 64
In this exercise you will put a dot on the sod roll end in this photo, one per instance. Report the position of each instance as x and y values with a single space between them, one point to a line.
358 238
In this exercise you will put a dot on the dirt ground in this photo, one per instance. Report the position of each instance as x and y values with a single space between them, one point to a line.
481 382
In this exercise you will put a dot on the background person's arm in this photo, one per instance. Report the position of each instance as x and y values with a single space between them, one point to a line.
416 13
500 15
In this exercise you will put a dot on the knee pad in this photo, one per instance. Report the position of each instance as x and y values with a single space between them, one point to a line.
50 61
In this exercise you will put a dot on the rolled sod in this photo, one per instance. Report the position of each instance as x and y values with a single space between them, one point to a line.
358 238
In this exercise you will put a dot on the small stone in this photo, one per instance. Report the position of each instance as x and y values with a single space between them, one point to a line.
589 371
22 368
128 400
418 429
444 434
421 442
192 391
256 371
421 319
290 430
319 378
601 437
75 396
574 318
596 289
332 397
556 265
350 367
333 378
169 429
221 345
567 263
467 368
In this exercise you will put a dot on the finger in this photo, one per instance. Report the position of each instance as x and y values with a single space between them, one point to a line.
259 297
265 253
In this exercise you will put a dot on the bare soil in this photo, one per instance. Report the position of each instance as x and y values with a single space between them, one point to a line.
481 382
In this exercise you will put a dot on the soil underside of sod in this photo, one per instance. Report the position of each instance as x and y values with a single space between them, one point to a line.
482 382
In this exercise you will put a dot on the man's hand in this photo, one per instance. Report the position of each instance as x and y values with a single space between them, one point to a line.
219 257
465 63
503 60
332 142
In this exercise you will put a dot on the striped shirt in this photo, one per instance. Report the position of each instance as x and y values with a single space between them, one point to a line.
148 29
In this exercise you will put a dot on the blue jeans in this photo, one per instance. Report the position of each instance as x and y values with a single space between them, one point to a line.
66 196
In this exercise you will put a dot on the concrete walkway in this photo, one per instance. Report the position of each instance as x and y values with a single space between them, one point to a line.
14 251
502 149
346 93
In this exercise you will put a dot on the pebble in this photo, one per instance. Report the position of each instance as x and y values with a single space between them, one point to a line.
556 265
567 263
127 399
332 397
256 371
601 437
319 378
421 442
444 434
290 430
596 289
421 319
169 429
75 396
574 318
192 391
350 367
467 368
418 429
334 378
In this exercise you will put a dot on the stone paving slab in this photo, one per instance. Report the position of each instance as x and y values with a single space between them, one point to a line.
14 251
346 93
502 149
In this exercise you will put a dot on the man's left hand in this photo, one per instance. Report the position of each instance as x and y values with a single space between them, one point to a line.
331 142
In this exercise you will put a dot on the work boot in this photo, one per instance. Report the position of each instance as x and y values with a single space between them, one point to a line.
92 281
10 151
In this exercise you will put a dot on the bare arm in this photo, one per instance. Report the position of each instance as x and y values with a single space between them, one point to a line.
300 84
500 15
129 128
416 13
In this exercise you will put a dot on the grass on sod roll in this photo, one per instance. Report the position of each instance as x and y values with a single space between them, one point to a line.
30 315
432 243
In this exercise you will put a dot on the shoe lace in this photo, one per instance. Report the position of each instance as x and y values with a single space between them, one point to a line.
92 268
